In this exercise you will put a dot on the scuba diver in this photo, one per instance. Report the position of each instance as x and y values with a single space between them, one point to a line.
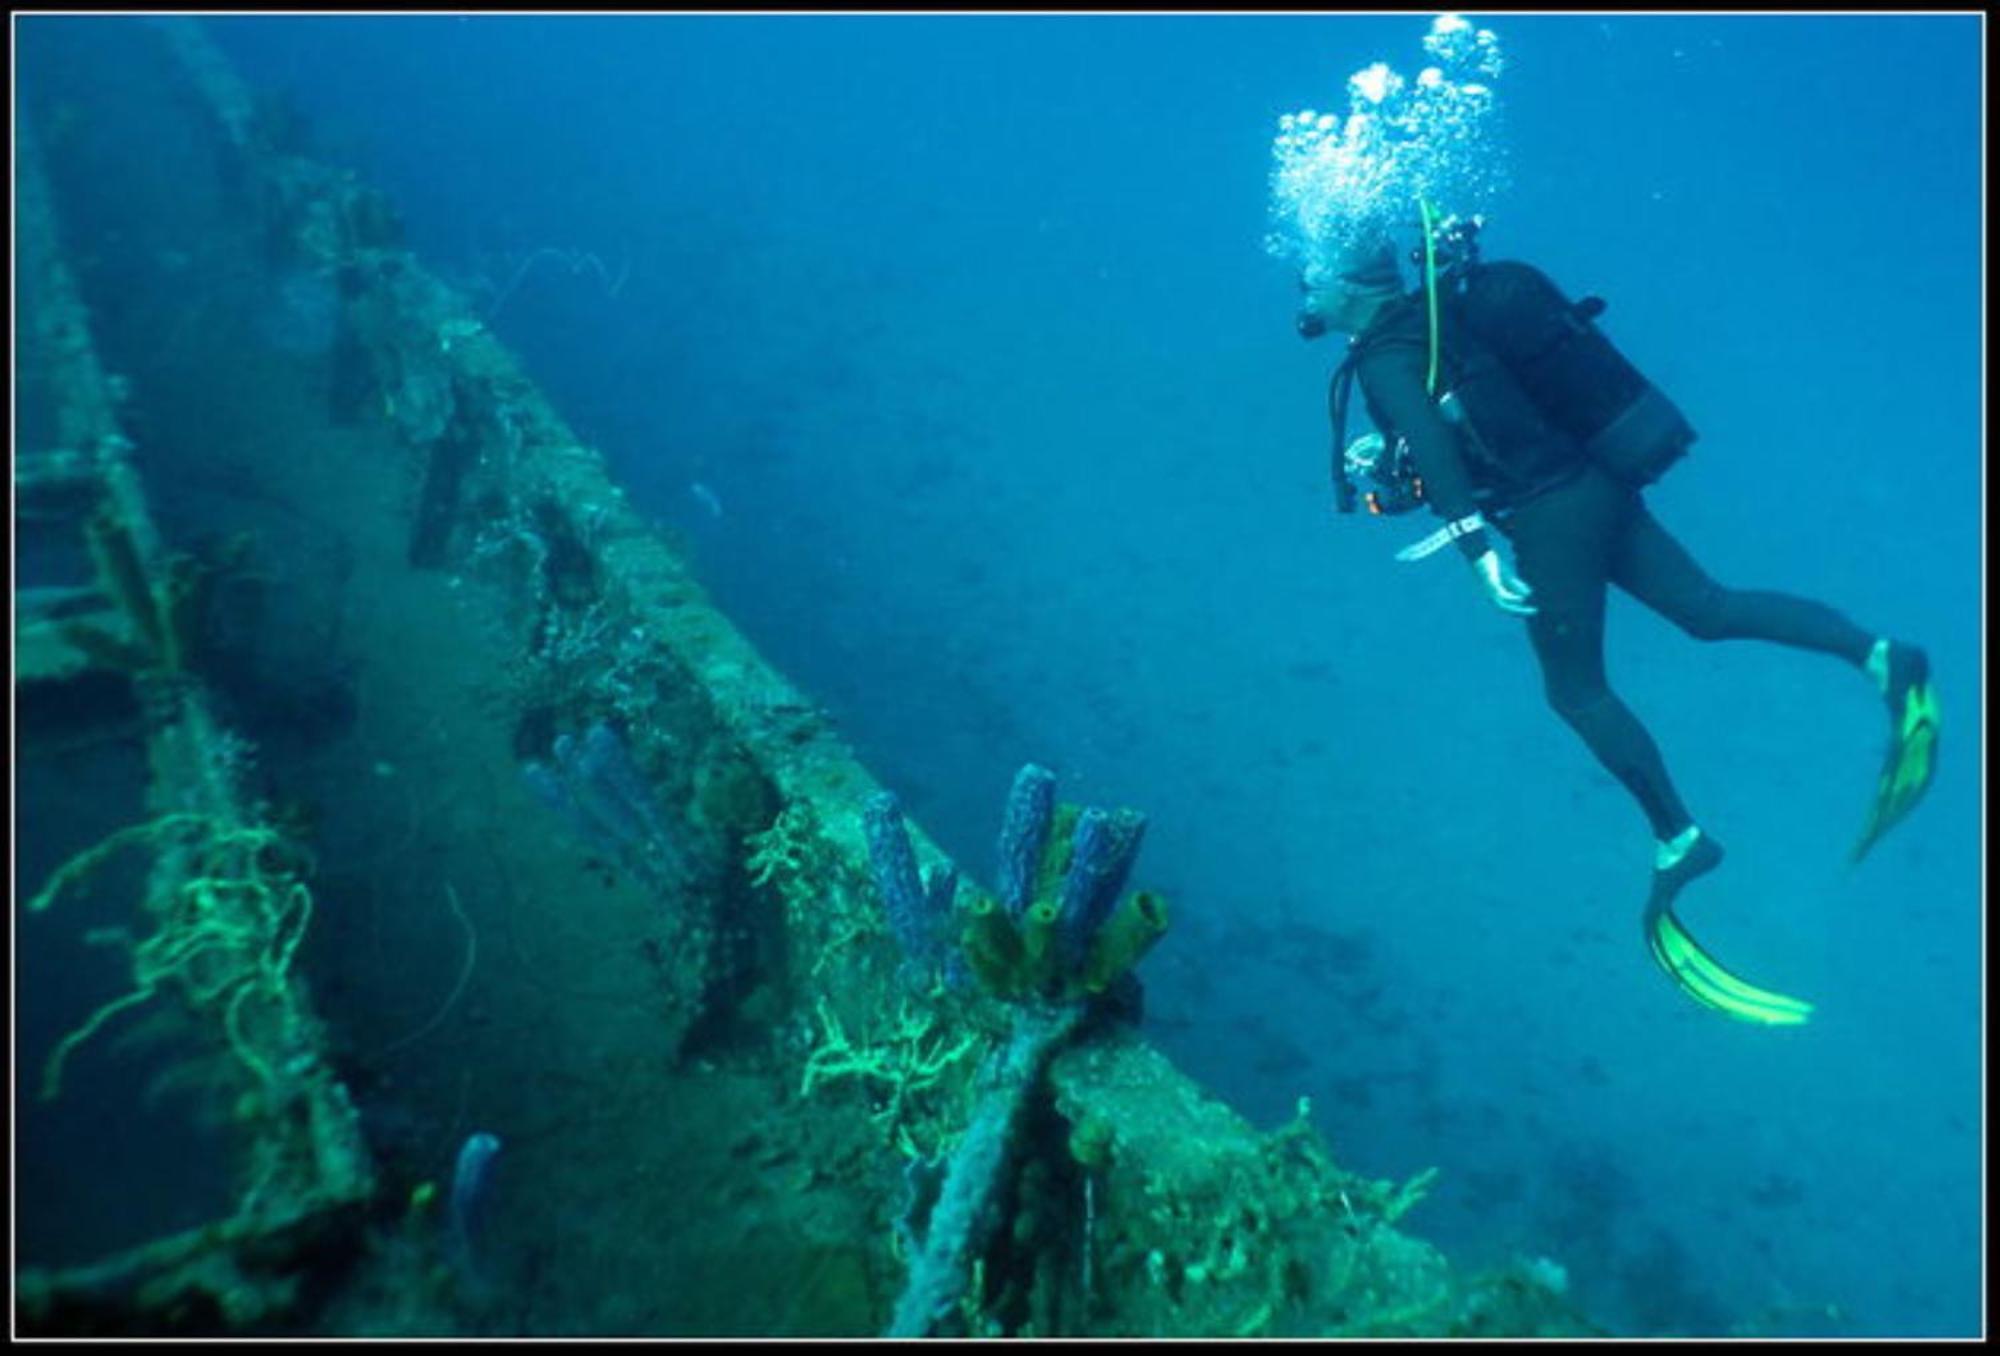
1500 405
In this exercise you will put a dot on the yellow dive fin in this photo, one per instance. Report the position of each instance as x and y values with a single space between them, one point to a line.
1703 979
1908 768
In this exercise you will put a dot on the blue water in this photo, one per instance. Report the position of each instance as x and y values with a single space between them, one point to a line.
949 347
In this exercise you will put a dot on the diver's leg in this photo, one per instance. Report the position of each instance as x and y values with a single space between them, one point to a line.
1563 543
1654 568
1570 645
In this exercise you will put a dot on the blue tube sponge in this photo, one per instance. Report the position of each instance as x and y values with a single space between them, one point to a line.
940 890
611 782
1106 845
918 914
593 782
940 900
1024 832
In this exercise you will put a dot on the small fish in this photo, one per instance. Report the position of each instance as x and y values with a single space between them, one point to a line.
707 498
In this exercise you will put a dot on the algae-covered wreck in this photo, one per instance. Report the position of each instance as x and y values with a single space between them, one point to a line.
591 987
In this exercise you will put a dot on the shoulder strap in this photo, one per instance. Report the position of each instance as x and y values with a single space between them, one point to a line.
1339 393
1340 396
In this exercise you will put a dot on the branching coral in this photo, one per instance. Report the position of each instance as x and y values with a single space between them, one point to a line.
230 911
912 1056
783 852
791 857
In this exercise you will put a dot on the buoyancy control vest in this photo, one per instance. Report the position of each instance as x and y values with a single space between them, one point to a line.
1512 451
1532 383
1574 375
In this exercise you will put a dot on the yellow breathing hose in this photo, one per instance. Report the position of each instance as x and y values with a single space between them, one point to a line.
1430 291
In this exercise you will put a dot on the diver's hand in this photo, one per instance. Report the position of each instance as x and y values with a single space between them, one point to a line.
1509 592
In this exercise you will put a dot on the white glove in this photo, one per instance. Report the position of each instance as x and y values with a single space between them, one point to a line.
1509 592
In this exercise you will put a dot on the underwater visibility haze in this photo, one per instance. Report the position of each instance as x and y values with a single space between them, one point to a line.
959 359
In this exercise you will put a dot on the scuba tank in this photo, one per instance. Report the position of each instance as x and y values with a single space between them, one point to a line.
1575 376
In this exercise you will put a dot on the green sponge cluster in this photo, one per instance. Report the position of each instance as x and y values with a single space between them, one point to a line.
1024 958
1058 930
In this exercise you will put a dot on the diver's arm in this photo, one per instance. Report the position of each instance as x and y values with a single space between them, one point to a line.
1396 392
1394 383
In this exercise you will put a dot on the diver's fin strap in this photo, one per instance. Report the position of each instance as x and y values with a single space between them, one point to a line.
1442 538
1703 978
1907 771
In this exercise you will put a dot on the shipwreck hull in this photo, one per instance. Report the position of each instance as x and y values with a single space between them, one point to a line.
454 805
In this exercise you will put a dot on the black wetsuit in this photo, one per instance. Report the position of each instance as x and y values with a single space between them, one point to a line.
1574 529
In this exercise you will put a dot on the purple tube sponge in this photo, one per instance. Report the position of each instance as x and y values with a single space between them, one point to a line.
918 913
940 899
550 789
1105 846
940 889
612 785
593 782
1024 832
